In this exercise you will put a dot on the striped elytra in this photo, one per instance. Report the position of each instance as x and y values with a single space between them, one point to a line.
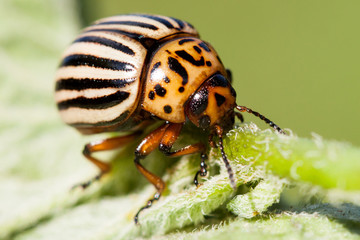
126 72
99 81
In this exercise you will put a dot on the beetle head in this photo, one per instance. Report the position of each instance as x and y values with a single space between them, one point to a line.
212 104
212 107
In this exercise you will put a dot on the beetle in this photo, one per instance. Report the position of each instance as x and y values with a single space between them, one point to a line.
126 72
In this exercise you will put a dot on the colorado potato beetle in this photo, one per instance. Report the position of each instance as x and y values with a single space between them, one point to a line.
125 72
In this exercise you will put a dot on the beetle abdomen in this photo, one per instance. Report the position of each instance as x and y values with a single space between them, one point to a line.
98 83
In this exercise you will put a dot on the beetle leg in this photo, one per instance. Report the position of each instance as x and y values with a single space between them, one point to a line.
147 145
211 141
190 149
103 145
164 137
170 136
239 116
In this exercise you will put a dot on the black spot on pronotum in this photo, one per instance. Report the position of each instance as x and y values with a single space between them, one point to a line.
197 49
187 57
167 109
204 46
175 66
166 79
182 41
156 66
160 91
181 89
204 121
220 99
218 80
208 63
151 95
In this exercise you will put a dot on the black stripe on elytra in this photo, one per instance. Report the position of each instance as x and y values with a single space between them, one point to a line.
97 62
175 66
130 23
190 25
95 103
89 83
156 18
182 41
204 46
135 36
145 41
220 99
186 56
107 42
179 22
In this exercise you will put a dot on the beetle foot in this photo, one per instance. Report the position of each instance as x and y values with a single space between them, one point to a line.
148 204
202 172
86 184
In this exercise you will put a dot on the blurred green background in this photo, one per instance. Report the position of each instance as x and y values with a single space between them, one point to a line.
297 62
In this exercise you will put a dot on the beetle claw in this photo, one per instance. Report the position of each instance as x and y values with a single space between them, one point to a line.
86 184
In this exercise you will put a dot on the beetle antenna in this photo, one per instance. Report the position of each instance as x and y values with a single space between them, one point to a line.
268 121
219 132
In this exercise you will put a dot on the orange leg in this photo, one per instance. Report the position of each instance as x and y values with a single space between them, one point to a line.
164 137
103 145
147 145
168 140
190 149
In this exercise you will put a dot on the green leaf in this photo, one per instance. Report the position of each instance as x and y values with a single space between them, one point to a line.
330 164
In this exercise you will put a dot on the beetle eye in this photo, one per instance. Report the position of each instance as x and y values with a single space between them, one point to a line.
199 102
